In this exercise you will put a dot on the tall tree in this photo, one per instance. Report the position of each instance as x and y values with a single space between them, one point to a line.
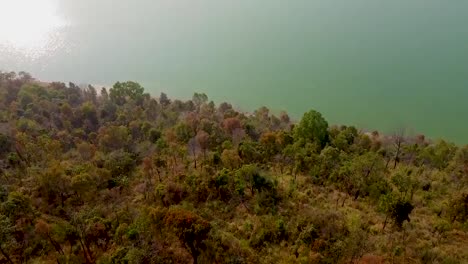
312 128
190 228
120 93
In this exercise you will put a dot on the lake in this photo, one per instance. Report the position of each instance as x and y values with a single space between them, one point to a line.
375 64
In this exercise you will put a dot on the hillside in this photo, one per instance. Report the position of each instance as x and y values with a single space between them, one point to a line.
116 176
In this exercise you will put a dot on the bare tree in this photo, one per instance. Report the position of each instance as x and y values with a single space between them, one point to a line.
194 149
397 141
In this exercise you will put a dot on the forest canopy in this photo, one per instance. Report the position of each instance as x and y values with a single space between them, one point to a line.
115 175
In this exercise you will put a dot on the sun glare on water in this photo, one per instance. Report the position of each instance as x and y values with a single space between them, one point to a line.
29 27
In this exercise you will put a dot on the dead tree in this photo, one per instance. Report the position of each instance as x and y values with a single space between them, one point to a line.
397 141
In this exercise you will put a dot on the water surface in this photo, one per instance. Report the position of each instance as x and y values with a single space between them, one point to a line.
375 64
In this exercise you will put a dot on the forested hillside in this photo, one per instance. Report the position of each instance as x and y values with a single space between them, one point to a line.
91 175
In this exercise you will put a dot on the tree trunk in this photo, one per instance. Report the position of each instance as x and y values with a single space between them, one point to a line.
174 164
356 195
85 253
385 222
344 200
194 252
159 175
62 199
371 169
56 245
6 256
397 153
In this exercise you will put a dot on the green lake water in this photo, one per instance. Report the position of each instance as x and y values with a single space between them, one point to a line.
374 64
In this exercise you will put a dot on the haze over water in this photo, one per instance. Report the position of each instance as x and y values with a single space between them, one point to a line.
374 64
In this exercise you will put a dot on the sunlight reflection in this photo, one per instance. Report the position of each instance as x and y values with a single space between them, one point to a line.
29 27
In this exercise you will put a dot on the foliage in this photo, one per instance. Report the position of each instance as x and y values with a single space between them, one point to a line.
120 93
190 228
121 177
312 128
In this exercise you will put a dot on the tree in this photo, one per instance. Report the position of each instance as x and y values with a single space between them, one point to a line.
312 128
357 175
230 158
248 176
113 137
6 237
44 229
270 144
120 163
284 117
439 154
345 138
203 140
329 163
83 184
398 141
403 181
90 114
458 166
25 76
163 100
120 93
86 150
249 151
199 99
225 108
183 132
458 208
54 185
397 208
190 228
194 148
92 94
17 206
104 94
5 144
231 124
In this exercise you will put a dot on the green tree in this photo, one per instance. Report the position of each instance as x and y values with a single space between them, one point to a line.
199 99
6 237
5 144
249 176
438 155
405 183
54 185
329 163
249 151
163 100
230 158
312 128
458 208
357 175
183 132
120 93
269 142
18 206
120 164
89 113
114 137
396 208
345 138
